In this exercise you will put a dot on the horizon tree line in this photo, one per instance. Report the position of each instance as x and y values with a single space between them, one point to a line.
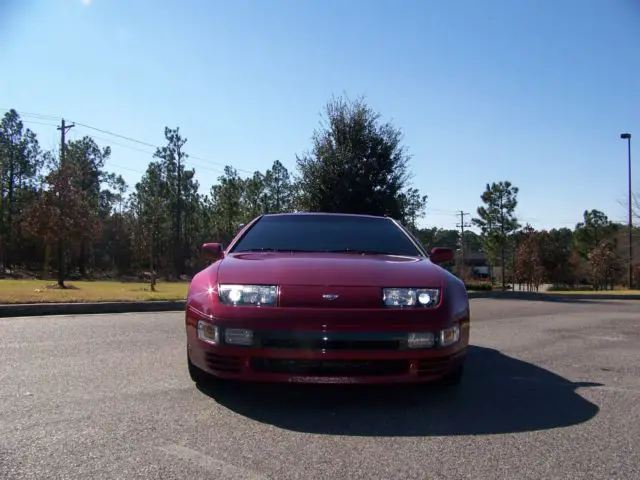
357 163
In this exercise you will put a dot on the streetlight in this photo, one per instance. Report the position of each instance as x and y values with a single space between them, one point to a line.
627 137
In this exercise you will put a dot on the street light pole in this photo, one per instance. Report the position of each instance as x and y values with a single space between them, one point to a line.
627 137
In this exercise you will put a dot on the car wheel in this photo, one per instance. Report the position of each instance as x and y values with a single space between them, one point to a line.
453 378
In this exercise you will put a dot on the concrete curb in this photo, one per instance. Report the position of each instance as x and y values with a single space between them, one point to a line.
41 309
551 296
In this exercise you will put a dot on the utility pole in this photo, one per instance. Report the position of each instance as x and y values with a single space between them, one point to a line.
10 193
2 257
63 143
502 243
462 226
179 220
627 137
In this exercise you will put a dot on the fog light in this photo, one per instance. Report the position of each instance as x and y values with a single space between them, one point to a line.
208 333
238 336
420 340
449 336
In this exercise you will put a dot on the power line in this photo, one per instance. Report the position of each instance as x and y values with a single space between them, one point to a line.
456 213
123 145
558 221
34 122
35 115
445 212
123 137
147 144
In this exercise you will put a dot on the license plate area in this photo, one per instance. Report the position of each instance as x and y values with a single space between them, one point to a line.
330 368
333 380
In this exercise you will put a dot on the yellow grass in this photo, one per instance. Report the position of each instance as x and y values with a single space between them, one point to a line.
46 291
621 293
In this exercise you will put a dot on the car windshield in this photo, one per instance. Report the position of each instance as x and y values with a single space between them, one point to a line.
327 233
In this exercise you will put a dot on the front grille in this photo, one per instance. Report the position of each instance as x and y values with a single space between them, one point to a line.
291 340
223 363
319 344
330 367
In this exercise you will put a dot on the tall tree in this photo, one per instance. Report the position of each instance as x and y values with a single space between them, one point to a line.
151 204
472 241
497 221
90 158
227 204
59 216
557 256
443 237
592 231
172 158
254 197
20 163
357 164
605 265
528 259
278 189
413 205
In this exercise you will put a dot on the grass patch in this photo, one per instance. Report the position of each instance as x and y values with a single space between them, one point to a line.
621 293
569 288
42 291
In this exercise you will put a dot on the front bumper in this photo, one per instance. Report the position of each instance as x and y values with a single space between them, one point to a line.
328 357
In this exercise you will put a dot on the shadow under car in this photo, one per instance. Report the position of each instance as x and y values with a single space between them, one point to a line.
498 394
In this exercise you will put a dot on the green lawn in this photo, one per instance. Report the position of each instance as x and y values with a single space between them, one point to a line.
47 291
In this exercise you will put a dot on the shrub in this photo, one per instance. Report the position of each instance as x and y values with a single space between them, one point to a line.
570 288
479 286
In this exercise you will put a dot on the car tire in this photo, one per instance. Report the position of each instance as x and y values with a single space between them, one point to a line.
452 379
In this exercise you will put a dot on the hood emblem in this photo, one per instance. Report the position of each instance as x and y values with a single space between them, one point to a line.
330 296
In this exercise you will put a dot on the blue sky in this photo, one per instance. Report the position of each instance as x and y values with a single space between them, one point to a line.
532 91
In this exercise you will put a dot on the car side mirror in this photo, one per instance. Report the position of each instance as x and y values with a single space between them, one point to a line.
212 251
440 255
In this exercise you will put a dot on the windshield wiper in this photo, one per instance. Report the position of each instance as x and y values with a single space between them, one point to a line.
361 251
354 251
271 249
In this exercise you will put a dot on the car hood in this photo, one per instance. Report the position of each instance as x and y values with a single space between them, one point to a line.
320 269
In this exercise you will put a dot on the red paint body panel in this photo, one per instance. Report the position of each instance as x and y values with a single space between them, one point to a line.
323 269
302 315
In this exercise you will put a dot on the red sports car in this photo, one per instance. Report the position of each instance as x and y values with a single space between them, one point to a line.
326 298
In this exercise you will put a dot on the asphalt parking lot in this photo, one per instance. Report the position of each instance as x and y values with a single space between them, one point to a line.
552 391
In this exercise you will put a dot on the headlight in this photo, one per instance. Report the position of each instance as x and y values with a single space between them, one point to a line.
410 297
259 295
